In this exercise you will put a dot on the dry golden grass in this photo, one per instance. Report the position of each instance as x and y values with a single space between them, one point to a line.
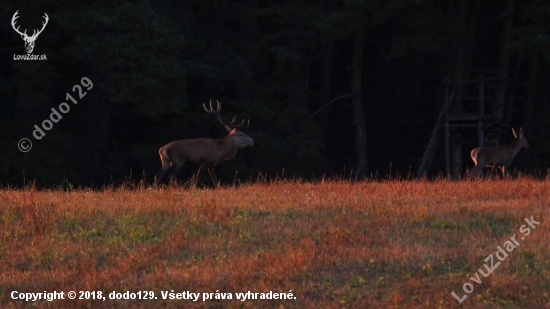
335 244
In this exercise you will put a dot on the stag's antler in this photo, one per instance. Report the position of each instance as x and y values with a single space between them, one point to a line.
44 23
217 112
13 24
24 33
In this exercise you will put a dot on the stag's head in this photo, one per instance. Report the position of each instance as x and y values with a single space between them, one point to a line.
521 138
29 40
240 139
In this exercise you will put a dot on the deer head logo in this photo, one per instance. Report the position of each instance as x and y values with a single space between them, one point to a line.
29 40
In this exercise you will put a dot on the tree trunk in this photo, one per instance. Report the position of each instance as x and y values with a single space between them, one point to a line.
530 99
456 155
514 73
467 20
99 126
503 67
531 89
247 31
357 102
326 78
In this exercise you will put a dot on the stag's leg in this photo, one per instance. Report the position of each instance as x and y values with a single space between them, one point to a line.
166 164
480 167
175 162
196 180
476 170
212 173
473 172
493 168
160 175
175 170
505 172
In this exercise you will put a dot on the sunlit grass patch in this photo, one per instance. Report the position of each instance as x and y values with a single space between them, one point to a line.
335 244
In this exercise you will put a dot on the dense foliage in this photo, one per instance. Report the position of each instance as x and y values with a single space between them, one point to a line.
277 63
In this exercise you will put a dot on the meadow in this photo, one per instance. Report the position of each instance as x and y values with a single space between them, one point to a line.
333 244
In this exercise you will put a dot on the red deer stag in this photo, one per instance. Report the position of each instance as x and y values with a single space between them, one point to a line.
204 152
501 156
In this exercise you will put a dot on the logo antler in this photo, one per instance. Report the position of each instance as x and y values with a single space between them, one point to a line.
29 40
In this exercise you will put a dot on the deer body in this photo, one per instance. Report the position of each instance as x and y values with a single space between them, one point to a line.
200 151
501 156
205 152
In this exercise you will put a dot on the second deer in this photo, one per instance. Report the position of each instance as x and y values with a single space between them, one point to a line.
502 156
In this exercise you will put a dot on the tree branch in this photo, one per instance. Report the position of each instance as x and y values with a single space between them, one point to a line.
330 102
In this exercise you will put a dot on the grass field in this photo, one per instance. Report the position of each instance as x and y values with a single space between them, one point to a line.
335 244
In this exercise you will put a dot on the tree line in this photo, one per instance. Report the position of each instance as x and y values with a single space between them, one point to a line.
330 87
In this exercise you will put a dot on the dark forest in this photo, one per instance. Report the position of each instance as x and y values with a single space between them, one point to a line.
345 88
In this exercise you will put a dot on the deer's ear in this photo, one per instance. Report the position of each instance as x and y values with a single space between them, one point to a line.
514 132
520 132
